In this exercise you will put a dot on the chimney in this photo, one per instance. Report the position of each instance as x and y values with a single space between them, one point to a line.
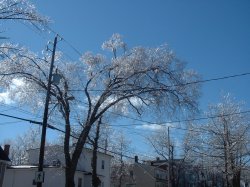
7 149
136 159
157 158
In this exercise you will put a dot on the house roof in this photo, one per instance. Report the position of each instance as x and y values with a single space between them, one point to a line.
85 148
35 166
3 156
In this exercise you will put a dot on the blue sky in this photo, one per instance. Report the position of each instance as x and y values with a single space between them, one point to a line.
213 37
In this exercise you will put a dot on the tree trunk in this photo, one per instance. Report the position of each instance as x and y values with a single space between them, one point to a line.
76 154
121 172
236 179
225 144
120 181
95 180
69 178
69 173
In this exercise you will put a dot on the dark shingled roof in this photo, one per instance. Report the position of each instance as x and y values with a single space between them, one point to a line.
3 156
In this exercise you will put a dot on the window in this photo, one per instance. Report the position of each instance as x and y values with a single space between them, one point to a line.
79 182
103 164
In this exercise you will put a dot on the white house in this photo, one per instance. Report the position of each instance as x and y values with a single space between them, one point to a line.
142 175
54 169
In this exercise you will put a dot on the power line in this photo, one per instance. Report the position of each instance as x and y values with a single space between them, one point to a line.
29 113
16 108
194 82
219 78
179 121
177 85
57 129
62 131
23 119
184 84
10 122
173 121
181 128
162 123
66 41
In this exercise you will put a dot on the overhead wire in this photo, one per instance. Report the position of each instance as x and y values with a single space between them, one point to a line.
177 85
173 121
9 122
66 41
184 84
155 123
54 128
194 82
62 131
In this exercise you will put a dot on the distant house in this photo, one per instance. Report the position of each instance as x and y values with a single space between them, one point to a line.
184 173
4 161
143 175
146 175
155 173
54 168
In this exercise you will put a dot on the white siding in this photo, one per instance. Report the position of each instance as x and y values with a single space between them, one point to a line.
55 176
24 177
85 164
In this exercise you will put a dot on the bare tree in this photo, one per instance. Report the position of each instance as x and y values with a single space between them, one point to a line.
21 10
164 147
159 140
224 140
20 145
120 164
136 80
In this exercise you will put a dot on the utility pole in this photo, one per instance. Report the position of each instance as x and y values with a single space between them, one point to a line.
169 164
40 174
172 166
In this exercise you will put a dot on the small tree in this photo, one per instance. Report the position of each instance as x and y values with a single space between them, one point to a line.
20 145
164 147
23 11
159 140
224 140
120 165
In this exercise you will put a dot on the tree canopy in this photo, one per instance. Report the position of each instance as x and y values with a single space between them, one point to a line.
135 79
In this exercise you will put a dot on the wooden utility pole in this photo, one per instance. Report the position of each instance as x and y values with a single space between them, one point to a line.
39 177
169 164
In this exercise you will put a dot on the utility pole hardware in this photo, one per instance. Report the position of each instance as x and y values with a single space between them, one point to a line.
45 118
